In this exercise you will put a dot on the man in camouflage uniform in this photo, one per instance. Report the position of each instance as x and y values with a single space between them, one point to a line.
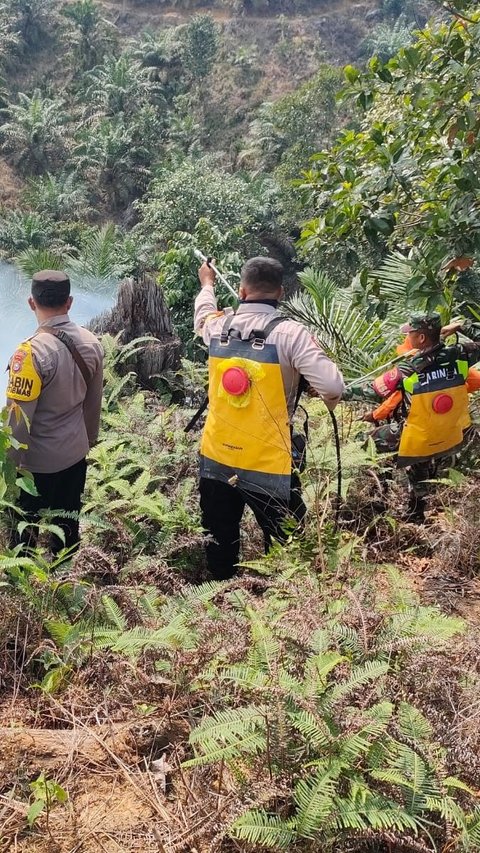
424 336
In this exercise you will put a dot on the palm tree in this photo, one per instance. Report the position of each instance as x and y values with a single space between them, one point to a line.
357 343
107 157
34 132
120 85
92 34
58 197
33 20
9 38
20 231
265 143
386 39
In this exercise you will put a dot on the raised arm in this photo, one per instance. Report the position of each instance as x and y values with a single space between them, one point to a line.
470 330
205 303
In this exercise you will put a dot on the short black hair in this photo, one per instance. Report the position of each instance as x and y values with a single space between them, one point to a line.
264 275
50 288
432 335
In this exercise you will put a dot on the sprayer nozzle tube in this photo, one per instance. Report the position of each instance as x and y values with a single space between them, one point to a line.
205 260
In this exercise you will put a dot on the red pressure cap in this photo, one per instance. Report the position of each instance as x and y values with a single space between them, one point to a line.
235 381
442 404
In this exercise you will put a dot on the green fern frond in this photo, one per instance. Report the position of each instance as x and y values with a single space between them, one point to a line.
203 592
245 676
352 746
424 623
314 729
347 816
391 777
472 832
314 799
318 668
372 812
148 604
59 631
450 811
370 671
348 641
113 613
456 784
229 734
260 829
264 651
176 635
381 713
412 724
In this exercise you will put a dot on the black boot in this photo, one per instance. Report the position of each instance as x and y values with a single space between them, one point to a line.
416 509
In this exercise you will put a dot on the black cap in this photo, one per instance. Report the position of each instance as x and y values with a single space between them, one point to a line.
51 283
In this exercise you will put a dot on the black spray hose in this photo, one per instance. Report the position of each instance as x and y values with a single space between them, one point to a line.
339 467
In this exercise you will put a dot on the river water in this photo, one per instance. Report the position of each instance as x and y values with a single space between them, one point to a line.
18 322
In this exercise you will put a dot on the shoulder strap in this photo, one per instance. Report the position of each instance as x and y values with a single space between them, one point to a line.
262 334
68 342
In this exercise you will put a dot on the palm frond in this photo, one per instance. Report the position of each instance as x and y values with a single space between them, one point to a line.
356 342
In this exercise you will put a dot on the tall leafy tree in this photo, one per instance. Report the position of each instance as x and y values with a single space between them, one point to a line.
409 178
200 45
199 205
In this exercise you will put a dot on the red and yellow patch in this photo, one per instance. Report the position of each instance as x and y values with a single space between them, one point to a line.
24 383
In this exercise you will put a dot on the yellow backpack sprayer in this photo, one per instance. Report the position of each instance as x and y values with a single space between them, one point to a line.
247 440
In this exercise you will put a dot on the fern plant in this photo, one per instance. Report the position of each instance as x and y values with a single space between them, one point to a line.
347 758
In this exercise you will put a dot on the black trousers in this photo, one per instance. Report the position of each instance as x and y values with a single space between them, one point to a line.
60 491
222 509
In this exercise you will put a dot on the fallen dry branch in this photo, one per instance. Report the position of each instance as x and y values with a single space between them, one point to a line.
47 749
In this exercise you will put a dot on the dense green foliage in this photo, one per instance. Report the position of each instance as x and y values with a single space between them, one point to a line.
407 180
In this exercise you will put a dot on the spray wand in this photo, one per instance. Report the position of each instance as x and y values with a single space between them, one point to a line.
201 257
382 367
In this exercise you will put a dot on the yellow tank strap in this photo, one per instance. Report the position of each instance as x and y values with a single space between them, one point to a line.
24 382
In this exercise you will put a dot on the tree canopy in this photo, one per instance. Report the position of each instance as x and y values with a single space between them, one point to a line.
407 179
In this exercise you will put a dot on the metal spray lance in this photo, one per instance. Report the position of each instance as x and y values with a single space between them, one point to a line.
380 367
201 257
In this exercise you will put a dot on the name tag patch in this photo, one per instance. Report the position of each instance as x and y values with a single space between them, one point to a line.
24 383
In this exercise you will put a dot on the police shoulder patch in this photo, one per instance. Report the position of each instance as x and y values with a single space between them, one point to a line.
214 316
24 382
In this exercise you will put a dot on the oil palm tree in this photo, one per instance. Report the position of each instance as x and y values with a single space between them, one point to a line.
107 157
34 132
91 34
33 20
356 342
58 197
120 85
9 37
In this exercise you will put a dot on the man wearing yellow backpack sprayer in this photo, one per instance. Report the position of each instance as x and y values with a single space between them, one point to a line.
423 409
256 360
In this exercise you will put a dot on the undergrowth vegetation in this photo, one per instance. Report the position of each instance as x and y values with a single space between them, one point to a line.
289 708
